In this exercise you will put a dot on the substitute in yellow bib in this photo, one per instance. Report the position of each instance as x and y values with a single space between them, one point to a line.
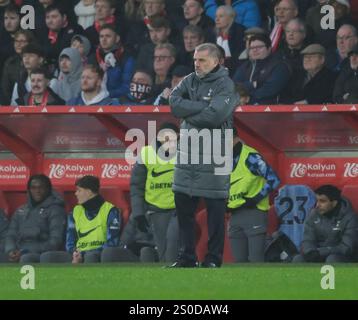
94 225
152 198
251 182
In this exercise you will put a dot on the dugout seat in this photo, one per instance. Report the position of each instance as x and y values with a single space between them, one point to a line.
351 192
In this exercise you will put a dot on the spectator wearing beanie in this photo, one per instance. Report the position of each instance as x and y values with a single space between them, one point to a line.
82 44
248 34
33 57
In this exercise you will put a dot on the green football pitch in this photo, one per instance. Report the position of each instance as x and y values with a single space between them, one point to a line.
138 282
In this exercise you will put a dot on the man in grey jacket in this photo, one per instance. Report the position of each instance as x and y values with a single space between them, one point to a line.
330 231
37 226
205 101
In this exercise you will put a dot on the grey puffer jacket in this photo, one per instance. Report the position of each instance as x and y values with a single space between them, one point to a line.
203 104
38 229
335 233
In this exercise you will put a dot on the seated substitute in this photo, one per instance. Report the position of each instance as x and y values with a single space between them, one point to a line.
39 225
94 224
330 231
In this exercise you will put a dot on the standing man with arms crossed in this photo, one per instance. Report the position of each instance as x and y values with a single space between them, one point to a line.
204 100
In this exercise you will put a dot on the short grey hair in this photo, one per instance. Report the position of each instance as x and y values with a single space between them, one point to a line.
212 49
300 22
229 10
350 26
169 47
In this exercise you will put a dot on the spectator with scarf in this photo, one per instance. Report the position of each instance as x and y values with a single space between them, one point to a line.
114 60
59 35
229 35
32 58
105 14
41 94
285 10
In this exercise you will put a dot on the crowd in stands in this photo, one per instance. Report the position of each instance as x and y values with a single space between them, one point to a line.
276 51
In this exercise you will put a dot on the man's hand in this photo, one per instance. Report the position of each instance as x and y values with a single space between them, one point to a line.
77 257
249 204
142 223
166 93
14 256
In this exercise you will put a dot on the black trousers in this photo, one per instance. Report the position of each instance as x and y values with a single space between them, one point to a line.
185 208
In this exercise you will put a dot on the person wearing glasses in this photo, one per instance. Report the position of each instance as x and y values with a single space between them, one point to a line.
284 11
13 65
164 61
263 75
295 41
347 38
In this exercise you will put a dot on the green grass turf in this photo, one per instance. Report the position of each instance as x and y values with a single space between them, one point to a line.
137 282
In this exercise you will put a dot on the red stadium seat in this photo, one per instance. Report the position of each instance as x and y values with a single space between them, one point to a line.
351 192
15 199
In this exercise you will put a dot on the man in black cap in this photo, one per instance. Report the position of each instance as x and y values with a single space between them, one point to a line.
94 224
32 58
314 83
179 73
